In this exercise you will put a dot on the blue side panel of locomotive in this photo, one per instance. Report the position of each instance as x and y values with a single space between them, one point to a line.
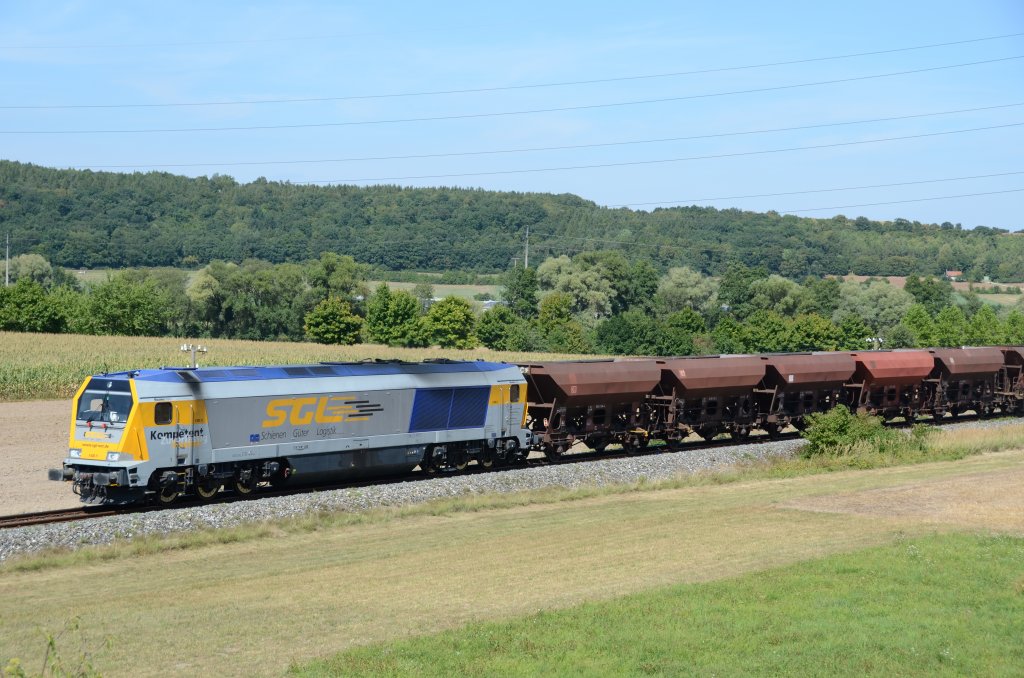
438 409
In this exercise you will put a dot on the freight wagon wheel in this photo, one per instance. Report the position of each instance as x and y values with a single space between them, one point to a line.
554 453
633 444
740 433
772 430
207 488
707 433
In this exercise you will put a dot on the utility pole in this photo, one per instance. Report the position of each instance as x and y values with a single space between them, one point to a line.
526 252
7 271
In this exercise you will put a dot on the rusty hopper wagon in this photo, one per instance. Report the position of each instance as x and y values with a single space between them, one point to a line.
596 402
890 383
707 396
798 384
965 379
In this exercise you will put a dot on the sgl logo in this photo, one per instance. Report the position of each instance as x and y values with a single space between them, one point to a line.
322 410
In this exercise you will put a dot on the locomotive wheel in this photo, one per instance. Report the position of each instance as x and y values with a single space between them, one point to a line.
429 465
168 494
461 460
486 458
207 488
244 487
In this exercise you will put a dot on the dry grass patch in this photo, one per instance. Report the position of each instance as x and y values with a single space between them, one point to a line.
991 500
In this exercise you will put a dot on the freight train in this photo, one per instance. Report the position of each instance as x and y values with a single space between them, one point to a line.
159 434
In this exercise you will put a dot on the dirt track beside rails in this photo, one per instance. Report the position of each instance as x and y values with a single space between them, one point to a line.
34 438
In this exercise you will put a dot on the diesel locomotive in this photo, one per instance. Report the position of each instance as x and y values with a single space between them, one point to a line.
159 434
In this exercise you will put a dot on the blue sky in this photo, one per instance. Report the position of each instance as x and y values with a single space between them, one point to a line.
91 67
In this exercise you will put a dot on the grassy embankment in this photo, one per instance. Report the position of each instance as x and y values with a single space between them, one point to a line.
281 594
940 605
50 366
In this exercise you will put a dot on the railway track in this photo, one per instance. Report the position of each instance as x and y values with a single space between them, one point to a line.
83 513
58 516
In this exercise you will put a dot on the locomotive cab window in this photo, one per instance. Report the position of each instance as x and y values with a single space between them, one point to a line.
163 414
105 401
513 393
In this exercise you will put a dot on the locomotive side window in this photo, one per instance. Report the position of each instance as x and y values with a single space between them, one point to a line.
163 413
513 393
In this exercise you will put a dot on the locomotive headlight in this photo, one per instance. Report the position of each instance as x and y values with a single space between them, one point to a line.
113 456
74 452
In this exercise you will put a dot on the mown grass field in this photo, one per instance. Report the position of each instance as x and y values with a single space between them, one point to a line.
258 599
944 605
52 366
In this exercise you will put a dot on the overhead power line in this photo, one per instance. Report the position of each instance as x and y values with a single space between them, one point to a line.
306 38
564 83
663 160
467 116
900 202
535 149
640 243
688 201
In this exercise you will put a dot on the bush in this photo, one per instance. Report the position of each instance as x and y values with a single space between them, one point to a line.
839 431
332 322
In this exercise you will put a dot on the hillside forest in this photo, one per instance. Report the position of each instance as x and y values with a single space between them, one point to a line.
86 219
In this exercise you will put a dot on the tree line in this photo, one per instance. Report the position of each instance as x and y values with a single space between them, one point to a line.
592 303
81 218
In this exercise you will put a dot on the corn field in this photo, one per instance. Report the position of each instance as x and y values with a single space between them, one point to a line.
53 366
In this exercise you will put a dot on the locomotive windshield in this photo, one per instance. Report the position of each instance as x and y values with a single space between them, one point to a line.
105 400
